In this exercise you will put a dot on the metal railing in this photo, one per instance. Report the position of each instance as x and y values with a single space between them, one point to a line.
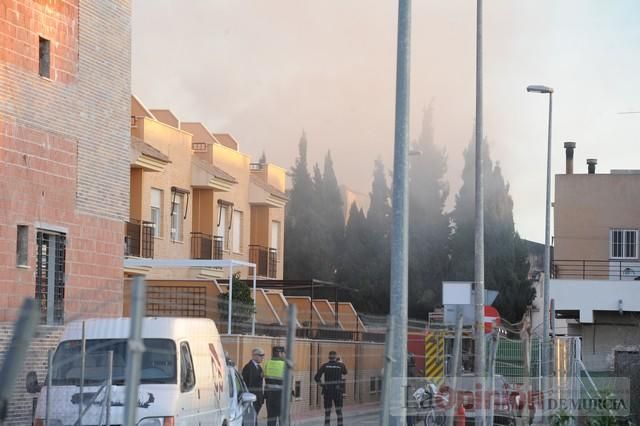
205 246
138 239
582 269
266 260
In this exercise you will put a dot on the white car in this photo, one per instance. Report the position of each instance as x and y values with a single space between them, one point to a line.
184 378
242 412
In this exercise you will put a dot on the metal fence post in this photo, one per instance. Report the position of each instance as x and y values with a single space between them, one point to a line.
388 361
526 371
83 349
23 333
47 409
107 398
230 306
136 348
286 394
457 343
495 340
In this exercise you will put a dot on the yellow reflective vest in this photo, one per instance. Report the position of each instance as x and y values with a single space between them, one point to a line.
274 369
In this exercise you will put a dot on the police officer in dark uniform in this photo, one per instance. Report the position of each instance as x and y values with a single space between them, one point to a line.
333 386
274 380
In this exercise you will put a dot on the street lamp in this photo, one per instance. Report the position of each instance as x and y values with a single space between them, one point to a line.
547 238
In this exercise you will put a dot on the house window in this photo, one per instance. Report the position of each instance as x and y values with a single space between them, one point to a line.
624 243
224 225
177 206
373 384
50 279
44 55
22 246
156 211
236 225
275 235
199 147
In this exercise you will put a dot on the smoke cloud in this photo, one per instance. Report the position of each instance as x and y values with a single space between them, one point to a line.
266 70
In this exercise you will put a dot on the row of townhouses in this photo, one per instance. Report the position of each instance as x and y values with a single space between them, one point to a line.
195 195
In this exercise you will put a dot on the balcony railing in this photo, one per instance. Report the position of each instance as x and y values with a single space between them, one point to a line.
266 260
205 246
138 239
614 270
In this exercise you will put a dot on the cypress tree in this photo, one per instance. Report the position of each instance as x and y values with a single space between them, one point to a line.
299 221
428 223
506 264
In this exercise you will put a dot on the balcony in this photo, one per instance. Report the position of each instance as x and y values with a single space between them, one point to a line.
138 239
205 246
611 270
266 260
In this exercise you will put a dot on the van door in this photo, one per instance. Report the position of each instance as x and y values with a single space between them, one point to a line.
189 405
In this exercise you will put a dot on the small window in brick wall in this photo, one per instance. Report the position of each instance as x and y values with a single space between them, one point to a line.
297 392
22 246
44 57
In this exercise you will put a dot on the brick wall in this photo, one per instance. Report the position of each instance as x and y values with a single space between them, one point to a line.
88 97
23 22
64 146
37 188
21 403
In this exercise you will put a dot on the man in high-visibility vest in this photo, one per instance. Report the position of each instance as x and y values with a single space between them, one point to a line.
274 381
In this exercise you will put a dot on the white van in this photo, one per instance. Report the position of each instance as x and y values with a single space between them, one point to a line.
184 380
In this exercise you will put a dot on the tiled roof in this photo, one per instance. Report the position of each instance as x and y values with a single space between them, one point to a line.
268 187
226 140
148 150
214 170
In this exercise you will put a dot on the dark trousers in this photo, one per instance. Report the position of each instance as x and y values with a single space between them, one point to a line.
331 399
274 399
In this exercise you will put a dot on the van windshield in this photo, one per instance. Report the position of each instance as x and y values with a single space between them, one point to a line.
158 362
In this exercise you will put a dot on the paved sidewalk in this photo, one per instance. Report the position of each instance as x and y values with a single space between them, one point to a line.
356 414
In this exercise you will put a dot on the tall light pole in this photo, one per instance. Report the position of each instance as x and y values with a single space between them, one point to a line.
478 269
400 224
547 240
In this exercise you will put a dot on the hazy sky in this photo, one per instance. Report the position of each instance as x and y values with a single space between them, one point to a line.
265 70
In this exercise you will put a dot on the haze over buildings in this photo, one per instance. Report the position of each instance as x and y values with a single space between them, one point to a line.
264 71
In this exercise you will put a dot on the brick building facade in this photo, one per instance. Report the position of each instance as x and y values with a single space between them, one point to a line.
64 155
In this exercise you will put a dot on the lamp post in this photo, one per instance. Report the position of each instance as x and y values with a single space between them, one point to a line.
400 219
547 237
478 263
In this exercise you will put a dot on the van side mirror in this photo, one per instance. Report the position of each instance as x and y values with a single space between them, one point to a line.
32 382
248 398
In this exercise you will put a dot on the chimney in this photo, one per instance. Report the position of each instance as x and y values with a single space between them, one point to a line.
568 149
591 164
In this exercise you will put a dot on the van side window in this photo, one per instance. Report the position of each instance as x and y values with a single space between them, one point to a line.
230 375
187 375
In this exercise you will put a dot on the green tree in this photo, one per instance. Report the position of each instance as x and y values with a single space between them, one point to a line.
378 223
506 264
300 229
354 263
428 222
242 307
332 217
